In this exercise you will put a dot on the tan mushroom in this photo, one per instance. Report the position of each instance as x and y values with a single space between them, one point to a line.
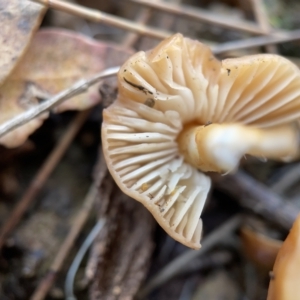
179 109
285 278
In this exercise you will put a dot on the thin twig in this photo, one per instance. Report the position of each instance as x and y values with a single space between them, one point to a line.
289 178
262 19
215 259
79 87
89 201
42 175
260 15
69 293
256 42
258 198
101 17
199 14
168 20
188 288
46 283
175 266
142 18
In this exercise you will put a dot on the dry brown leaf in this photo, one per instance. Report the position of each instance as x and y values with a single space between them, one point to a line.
18 21
54 61
57 58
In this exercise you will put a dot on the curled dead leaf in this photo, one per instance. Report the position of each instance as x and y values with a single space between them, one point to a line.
19 20
55 60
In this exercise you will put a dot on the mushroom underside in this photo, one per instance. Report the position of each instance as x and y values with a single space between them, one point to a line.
163 91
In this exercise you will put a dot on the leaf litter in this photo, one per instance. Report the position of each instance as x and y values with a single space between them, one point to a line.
217 210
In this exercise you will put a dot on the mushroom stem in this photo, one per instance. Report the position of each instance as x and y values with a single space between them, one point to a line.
219 147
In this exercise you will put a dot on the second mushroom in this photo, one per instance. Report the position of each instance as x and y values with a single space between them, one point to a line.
180 110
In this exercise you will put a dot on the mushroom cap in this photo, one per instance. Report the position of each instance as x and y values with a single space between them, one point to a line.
180 82
284 283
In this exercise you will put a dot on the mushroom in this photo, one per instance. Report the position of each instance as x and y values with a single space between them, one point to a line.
179 109
284 282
